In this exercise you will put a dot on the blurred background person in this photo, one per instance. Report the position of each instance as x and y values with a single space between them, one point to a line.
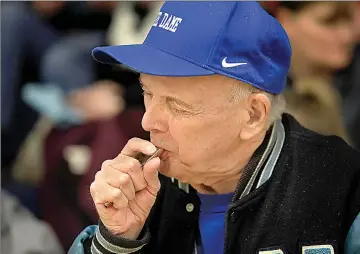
37 32
39 40
63 113
326 61
317 105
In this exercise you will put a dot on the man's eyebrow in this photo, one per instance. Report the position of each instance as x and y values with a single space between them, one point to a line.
179 102
169 98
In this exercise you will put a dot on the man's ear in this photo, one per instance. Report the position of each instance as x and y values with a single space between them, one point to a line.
257 109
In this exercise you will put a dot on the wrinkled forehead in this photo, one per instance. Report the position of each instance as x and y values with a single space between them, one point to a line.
210 82
199 88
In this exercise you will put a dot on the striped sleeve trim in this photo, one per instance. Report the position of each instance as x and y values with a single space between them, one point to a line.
106 243
94 250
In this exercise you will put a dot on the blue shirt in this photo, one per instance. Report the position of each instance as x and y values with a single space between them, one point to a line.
212 222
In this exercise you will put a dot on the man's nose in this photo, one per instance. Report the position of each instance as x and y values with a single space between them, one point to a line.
155 118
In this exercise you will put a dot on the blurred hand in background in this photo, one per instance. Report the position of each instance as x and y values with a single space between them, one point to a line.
100 101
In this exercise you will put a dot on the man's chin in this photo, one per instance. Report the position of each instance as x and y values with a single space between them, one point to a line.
164 170
168 171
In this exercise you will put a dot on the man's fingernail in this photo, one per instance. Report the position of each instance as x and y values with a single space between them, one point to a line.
151 149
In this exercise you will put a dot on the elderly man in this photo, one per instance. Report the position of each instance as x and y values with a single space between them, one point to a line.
235 176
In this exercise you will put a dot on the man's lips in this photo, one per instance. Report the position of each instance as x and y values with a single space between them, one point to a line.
157 144
165 154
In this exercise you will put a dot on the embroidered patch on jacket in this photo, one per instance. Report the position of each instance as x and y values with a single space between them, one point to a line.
272 250
318 249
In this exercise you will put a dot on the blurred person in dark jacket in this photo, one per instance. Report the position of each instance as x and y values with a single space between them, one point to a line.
44 31
68 94
81 105
75 80
30 29
324 37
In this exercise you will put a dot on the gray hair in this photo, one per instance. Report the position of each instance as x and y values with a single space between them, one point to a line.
243 91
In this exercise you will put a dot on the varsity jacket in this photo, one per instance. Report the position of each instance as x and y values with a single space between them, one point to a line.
300 193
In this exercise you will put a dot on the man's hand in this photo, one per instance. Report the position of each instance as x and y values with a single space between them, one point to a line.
130 188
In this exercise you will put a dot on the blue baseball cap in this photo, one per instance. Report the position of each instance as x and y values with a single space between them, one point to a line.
239 40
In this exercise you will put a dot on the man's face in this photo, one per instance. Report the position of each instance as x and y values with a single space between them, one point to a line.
194 120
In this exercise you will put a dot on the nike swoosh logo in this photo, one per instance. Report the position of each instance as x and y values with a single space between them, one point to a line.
229 65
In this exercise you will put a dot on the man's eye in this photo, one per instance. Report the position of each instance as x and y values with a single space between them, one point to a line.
179 111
